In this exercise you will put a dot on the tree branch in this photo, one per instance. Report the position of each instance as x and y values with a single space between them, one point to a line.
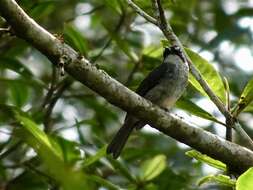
142 13
236 157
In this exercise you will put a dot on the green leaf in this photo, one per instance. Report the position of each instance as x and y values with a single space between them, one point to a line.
114 5
153 51
50 154
122 168
42 9
79 132
122 43
33 83
246 96
153 167
16 66
245 181
210 75
75 39
7 112
220 179
103 182
92 159
19 94
194 109
24 182
206 159
249 108
37 138
70 150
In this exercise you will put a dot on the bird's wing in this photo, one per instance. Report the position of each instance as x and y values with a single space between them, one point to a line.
152 79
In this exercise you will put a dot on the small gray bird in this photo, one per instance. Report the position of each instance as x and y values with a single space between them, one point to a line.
163 86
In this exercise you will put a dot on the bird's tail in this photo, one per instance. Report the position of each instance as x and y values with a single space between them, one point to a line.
119 140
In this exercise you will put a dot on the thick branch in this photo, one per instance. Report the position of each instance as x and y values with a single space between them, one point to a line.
237 157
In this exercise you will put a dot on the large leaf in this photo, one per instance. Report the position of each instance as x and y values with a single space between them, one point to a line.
220 179
245 181
206 159
210 75
194 109
246 97
51 156
153 167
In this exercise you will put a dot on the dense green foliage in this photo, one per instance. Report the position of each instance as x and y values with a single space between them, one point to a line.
78 123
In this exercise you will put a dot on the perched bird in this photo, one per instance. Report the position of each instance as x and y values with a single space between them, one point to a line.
163 86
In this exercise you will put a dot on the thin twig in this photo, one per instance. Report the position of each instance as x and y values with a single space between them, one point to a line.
51 88
107 44
142 13
47 118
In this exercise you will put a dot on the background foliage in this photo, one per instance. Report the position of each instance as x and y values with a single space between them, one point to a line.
78 123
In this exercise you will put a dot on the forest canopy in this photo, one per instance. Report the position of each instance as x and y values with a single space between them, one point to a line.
68 72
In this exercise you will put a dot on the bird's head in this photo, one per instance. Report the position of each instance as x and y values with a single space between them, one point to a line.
172 51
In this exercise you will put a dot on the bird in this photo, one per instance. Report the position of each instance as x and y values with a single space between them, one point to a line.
163 86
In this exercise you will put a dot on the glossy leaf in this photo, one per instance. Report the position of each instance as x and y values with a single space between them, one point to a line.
153 167
194 109
220 179
210 75
206 159
51 156
245 181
